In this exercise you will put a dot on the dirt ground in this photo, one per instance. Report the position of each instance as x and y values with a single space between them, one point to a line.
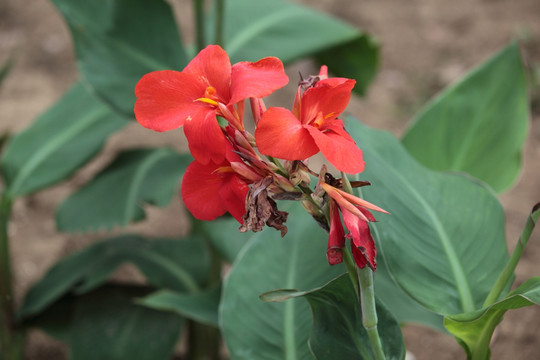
426 44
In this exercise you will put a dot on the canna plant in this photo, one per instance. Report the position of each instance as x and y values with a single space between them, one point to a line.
438 258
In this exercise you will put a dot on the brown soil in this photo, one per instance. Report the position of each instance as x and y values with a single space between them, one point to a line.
425 46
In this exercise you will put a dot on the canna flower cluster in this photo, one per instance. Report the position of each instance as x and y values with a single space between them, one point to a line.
244 174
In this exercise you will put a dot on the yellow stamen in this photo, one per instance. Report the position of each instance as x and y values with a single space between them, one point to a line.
208 101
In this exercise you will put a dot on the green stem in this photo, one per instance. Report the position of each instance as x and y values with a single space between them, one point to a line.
351 268
480 350
198 7
367 294
204 340
506 276
11 338
369 312
220 28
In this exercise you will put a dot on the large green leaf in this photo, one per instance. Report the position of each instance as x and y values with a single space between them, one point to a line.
475 329
118 41
291 31
107 324
180 265
58 143
224 235
200 306
253 329
337 331
115 196
479 124
405 309
445 241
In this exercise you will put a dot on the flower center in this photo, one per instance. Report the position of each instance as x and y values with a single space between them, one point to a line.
209 96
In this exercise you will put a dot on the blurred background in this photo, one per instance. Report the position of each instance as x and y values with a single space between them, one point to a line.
426 45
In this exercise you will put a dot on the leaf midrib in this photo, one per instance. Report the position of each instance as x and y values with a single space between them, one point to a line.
137 181
460 278
63 137
288 313
258 27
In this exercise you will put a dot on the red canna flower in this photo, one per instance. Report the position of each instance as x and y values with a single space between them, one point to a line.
336 237
208 86
210 190
312 126
356 217
362 245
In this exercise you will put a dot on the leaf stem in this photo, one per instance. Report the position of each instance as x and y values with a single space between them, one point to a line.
506 275
198 7
220 28
364 281
369 312
351 268
11 338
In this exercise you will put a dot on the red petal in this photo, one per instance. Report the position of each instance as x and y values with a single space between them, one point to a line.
212 67
280 134
205 138
362 244
340 152
165 100
200 188
336 237
233 194
329 96
258 79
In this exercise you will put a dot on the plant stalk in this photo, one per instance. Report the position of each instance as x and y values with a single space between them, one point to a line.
198 7
369 312
220 23
204 340
363 281
11 338
504 279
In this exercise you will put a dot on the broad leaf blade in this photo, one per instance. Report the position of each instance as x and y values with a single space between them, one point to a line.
115 196
450 227
478 125
291 31
472 328
224 235
171 264
256 330
58 143
119 41
405 309
337 331
107 324
200 307
357 59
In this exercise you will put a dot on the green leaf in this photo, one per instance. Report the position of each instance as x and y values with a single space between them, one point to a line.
256 330
450 227
171 264
475 329
201 307
115 196
119 41
107 324
337 331
58 143
479 124
357 59
405 309
56 320
290 32
224 235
